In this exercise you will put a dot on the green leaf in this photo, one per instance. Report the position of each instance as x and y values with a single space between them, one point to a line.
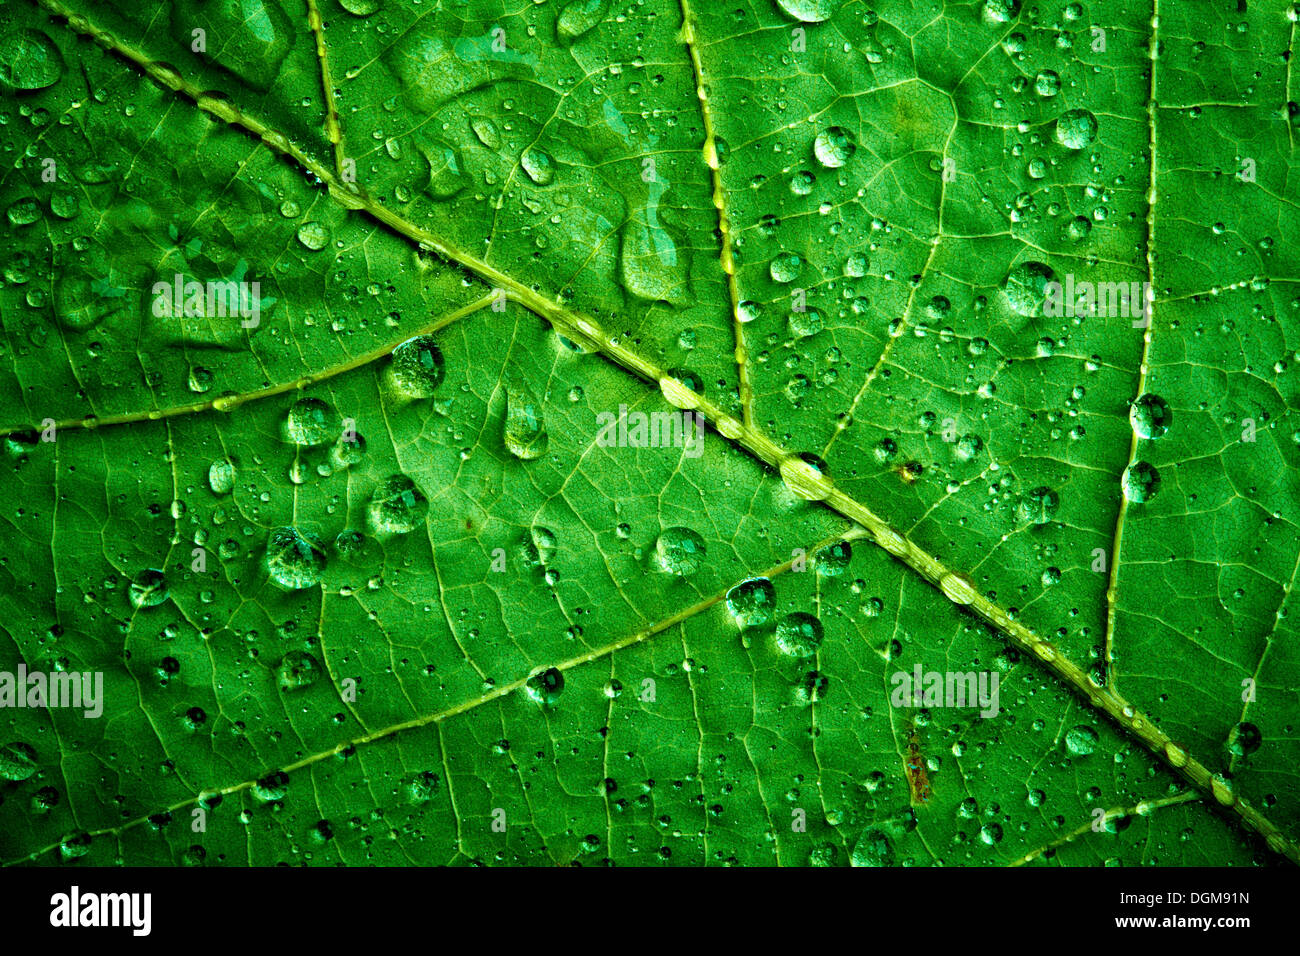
343 348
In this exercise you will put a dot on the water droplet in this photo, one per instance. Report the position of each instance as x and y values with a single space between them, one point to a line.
360 8
831 560
17 760
294 559
524 428
679 551
539 166
785 267
1150 416
806 323
221 476
872 849
23 213
958 588
834 147
446 170
805 476
545 688
397 506
1076 129
29 60
297 670
1244 739
968 447
1047 83
274 786
799 634
1000 11
1038 506
311 421
809 11
578 17
1141 481
1081 740
313 236
1026 287
65 205
148 588
1078 228
752 602
487 132
417 367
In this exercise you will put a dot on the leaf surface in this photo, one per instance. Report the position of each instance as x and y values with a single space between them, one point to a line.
365 580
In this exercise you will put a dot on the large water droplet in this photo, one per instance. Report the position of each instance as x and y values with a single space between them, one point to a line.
679 551
148 589
805 323
832 560
752 602
1038 506
446 170
1244 739
487 131
524 430
809 11
872 849
297 670
294 559
799 634
417 367
24 212
545 688
1081 740
311 421
538 165
1000 11
578 17
785 267
1150 416
275 785
221 476
29 60
397 506
1076 129
313 236
17 760
1141 481
834 146
360 8
1026 287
